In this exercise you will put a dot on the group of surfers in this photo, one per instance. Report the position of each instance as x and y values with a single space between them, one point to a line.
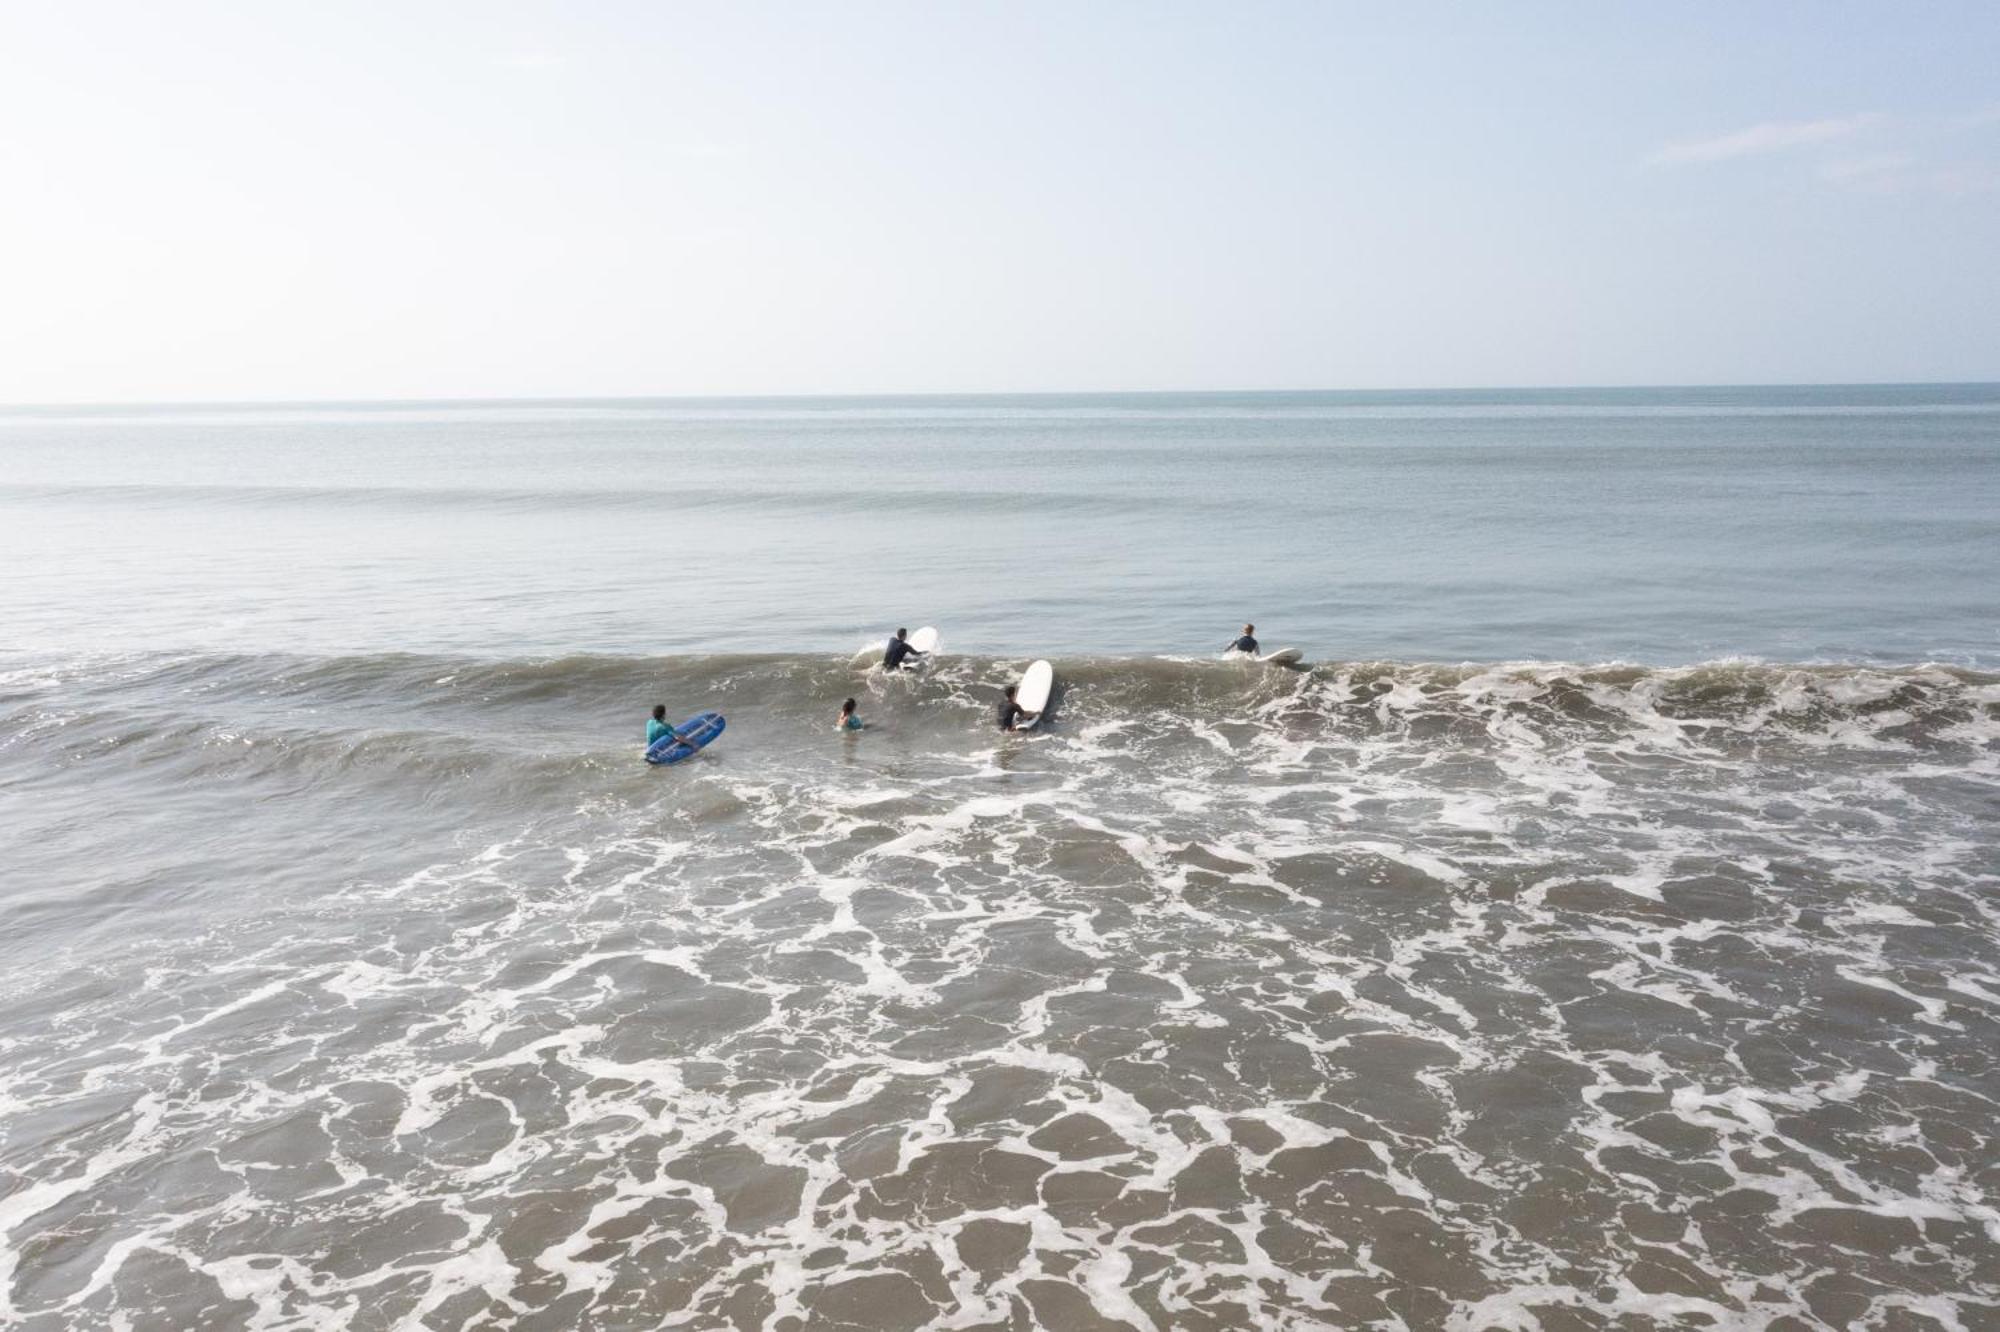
899 655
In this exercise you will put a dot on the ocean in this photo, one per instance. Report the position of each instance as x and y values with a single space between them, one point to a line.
1602 929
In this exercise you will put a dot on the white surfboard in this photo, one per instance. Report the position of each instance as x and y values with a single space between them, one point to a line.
1282 657
1032 694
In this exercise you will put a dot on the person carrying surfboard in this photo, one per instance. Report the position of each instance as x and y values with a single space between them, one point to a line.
1012 714
667 743
899 648
1247 643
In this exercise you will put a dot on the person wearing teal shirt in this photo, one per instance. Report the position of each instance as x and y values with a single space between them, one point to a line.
657 727
849 719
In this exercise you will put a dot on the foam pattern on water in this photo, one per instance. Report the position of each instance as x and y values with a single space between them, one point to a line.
1408 997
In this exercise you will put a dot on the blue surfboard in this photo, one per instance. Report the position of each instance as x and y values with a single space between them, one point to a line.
687 740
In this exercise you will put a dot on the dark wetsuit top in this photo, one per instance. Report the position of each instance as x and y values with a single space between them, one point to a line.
892 656
1244 644
1010 712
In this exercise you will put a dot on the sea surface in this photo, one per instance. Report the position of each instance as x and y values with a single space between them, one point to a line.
1601 931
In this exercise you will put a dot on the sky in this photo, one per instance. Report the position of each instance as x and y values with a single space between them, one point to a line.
275 200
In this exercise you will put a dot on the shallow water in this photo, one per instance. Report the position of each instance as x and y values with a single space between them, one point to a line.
360 975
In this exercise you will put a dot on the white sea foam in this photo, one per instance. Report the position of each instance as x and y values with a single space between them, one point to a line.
1455 1003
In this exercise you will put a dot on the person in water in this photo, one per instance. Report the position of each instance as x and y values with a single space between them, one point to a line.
1012 714
898 649
658 727
1247 643
849 719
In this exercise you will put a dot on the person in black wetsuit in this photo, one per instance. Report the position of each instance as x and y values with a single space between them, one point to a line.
1247 643
1012 714
899 648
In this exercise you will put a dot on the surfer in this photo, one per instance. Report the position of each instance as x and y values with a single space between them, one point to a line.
1247 643
1012 714
849 719
668 743
899 648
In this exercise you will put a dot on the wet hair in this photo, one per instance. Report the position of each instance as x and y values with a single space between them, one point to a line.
659 712
1249 628
1011 690
847 707
902 633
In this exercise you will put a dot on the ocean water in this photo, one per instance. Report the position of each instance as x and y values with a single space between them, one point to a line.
1602 931
1657 526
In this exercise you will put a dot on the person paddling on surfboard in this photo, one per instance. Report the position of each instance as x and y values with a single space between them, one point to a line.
1012 714
1247 643
658 726
899 648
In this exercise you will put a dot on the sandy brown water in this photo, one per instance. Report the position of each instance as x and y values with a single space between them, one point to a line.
1361 996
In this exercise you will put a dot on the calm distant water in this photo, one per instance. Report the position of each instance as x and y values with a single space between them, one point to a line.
1660 526
1602 932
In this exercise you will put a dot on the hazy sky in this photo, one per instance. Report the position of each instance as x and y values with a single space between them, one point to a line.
271 200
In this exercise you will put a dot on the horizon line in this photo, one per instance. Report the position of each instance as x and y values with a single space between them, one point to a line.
932 394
